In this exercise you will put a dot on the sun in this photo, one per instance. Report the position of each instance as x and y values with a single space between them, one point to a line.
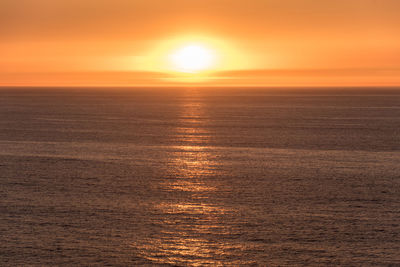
192 58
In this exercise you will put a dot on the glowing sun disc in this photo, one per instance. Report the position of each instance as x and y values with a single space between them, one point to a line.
192 58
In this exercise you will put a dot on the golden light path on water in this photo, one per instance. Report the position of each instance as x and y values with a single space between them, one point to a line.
193 223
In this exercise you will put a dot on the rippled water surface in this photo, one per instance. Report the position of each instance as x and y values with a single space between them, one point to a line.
199 177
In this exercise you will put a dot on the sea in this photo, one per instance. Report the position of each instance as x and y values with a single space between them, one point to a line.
199 176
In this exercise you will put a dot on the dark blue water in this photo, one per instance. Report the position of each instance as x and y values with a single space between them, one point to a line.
199 177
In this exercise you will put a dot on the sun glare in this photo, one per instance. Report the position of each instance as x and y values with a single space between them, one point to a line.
192 58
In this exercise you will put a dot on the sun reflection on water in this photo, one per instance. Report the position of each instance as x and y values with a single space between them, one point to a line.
192 221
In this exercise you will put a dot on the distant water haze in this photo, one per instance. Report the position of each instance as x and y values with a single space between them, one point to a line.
186 176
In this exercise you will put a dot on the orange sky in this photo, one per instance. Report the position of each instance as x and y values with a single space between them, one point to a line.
261 42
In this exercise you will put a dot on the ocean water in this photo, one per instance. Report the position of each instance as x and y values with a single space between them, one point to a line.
195 177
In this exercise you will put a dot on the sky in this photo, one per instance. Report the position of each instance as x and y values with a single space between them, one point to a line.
255 42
